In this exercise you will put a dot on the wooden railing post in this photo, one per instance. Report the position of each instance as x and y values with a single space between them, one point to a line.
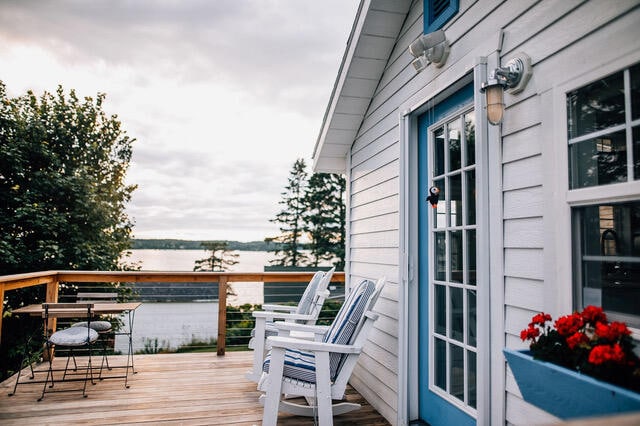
1 309
222 314
52 297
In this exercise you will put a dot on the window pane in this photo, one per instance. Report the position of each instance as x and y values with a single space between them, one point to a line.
471 197
438 144
471 379
457 372
440 273
598 161
471 257
470 137
471 318
457 325
440 212
456 256
440 302
454 145
596 106
635 92
636 151
610 257
455 189
440 364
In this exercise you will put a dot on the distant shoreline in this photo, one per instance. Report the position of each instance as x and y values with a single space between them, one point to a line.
175 244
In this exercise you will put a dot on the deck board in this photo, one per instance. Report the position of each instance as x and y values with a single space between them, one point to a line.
187 389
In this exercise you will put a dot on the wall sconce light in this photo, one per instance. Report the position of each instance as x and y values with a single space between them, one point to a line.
428 48
514 76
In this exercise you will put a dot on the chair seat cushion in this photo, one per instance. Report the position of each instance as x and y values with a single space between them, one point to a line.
298 365
99 326
74 336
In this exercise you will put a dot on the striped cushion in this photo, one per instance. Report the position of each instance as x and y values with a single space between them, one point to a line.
304 306
301 365
74 336
346 322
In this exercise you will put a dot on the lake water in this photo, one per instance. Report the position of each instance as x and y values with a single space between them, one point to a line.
175 324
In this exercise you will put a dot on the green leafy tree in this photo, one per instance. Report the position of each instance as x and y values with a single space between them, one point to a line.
219 258
291 219
63 162
325 218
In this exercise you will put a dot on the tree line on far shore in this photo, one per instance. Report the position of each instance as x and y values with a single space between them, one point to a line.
173 244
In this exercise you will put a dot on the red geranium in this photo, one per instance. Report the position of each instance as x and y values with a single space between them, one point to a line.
585 341
569 324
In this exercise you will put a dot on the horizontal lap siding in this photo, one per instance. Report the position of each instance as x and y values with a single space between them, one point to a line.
555 34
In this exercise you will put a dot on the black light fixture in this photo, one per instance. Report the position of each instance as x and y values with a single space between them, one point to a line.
514 76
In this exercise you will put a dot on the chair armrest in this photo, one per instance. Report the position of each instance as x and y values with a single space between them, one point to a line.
309 345
284 308
281 315
308 328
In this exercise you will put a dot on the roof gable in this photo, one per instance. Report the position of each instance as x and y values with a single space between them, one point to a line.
373 36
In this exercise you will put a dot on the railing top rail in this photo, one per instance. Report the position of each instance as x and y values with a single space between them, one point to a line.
35 278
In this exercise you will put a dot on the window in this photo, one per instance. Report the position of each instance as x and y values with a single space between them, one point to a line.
604 148
453 285
437 13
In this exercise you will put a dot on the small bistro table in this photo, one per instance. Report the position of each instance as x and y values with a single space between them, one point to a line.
103 308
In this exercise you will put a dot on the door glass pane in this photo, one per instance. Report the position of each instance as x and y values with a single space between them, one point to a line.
471 197
455 153
440 304
471 257
635 92
440 212
440 254
457 372
456 256
596 106
438 143
440 364
455 190
470 138
471 318
457 326
471 380
598 161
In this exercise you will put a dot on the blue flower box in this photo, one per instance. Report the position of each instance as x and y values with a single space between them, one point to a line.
565 393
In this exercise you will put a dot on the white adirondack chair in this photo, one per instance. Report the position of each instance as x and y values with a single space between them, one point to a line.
319 371
306 312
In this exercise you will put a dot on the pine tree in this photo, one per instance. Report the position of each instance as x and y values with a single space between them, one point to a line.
291 218
219 259
325 218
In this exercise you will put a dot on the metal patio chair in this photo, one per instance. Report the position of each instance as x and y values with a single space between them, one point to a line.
306 312
71 338
319 371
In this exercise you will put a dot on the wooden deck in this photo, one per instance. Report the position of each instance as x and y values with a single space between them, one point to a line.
186 389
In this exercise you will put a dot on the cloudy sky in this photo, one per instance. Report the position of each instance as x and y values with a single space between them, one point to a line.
221 96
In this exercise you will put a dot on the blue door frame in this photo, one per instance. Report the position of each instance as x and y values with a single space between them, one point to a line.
433 408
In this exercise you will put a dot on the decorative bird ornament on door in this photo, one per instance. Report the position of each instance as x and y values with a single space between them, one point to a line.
434 195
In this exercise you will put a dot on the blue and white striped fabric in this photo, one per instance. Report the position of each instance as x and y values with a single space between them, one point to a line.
301 365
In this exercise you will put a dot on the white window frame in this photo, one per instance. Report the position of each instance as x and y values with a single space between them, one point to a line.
560 290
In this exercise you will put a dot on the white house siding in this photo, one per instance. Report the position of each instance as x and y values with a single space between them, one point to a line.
564 39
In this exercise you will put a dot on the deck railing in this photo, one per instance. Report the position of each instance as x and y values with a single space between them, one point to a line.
53 279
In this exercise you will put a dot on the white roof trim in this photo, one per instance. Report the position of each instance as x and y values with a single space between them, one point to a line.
373 36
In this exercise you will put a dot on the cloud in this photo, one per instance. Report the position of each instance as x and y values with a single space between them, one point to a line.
221 96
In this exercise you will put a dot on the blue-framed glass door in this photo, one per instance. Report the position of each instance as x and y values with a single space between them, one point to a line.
447 253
